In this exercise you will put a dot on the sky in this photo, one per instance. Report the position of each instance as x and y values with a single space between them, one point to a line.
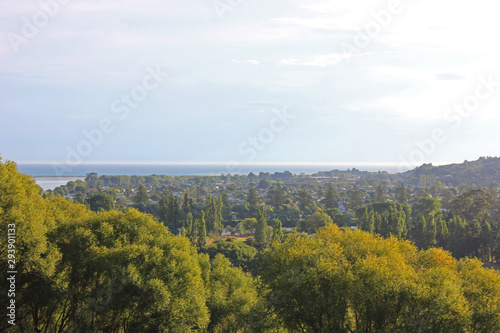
312 81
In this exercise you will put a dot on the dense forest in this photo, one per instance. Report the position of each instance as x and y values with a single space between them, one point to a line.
339 251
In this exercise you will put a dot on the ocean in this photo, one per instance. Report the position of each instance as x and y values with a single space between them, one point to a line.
50 183
188 169
49 176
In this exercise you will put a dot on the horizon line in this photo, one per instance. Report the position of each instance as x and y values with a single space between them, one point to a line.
243 163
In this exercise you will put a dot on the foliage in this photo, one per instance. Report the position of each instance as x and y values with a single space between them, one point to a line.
232 296
261 226
313 222
240 254
351 281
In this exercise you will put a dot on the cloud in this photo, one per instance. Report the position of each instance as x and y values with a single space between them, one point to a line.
316 61
449 76
250 61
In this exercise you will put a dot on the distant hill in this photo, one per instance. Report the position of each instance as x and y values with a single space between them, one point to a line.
481 173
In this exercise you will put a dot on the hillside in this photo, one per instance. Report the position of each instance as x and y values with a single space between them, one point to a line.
479 173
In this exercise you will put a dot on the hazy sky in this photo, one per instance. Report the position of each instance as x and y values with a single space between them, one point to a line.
249 80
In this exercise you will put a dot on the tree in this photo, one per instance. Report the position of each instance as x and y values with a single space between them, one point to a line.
186 207
379 194
168 208
101 201
231 298
277 197
277 231
493 190
85 272
141 195
240 254
190 228
473 204
201 233
248 225
402 195
367 221
425 206
92 180
330 201
313 222
307 290
213 214
252 197
305 200
355 198
351 281
261 227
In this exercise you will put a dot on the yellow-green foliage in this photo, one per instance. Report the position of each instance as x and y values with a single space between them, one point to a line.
352 281
108 272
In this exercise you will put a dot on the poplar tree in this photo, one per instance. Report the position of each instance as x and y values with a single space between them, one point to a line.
330 201
379 194
277 231
201 232
261 228
278 199
252 197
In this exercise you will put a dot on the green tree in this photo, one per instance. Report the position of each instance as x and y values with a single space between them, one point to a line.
277 196
261 227
313 222
168 213
402 195
355 198
277 231
141 195
201 232
240 254
101 201
232 297
305 200
252 197
379 194
330 200
213 214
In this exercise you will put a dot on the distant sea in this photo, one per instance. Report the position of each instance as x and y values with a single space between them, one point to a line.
48 176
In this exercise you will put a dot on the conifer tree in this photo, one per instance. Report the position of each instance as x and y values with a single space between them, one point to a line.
141 195
252 197
330 201
277 231
402 195
261 228
278 198
379 194
355 198
190 227
201 233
